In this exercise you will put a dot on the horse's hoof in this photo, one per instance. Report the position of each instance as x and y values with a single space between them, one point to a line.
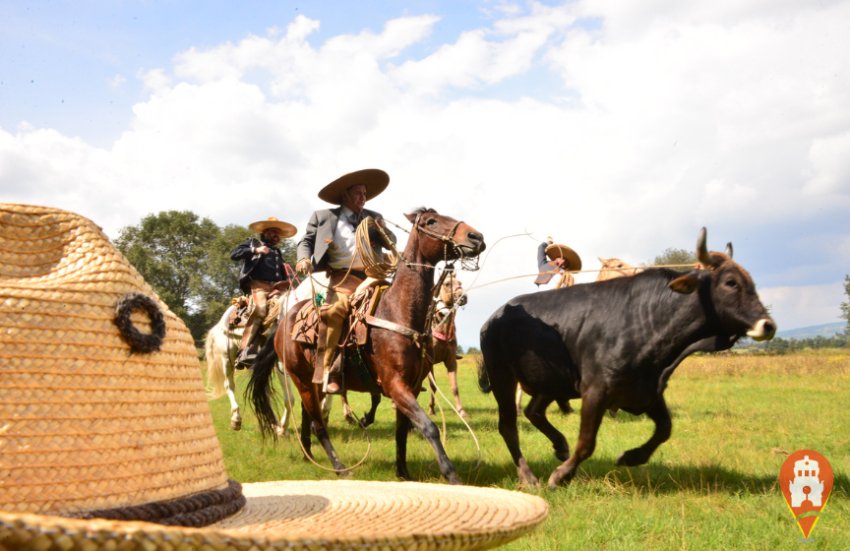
632 458
344 473
431 411
563 455
453 478
236 424
279 431
462 413
351 419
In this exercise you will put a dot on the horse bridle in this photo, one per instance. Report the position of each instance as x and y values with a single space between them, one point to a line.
447 239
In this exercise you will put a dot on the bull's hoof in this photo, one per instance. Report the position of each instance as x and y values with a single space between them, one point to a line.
453 478
236 422
279 431
402 474
462 413
633 458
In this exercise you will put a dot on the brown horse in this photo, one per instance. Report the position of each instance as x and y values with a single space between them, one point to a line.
393 357
444 337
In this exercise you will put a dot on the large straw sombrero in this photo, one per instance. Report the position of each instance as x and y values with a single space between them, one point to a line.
572 262
375 180
106 438
286 229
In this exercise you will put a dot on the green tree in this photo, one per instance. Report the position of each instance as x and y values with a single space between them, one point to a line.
675 257
170 250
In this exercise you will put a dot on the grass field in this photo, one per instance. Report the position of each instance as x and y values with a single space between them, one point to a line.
713 485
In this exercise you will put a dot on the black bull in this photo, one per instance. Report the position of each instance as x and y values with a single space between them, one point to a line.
614 344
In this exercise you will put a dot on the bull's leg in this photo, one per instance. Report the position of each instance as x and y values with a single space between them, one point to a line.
592 410
659 413
407 405
535 412
505 396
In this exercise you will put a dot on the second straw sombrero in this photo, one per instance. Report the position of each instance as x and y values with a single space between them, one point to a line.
106 439
572 261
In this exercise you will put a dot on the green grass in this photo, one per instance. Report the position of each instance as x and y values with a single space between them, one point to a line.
713 485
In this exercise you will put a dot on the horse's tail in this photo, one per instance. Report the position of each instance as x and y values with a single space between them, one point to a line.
215 372
260 391
483 376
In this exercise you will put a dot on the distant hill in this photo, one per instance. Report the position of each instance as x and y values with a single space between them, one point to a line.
825 330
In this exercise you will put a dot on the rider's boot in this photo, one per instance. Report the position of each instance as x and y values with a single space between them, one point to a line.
248 353
332 361
335 316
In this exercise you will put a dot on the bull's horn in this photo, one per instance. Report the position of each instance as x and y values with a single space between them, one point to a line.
702 251
729 249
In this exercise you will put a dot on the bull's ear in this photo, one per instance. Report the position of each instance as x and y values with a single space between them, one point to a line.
411 216
685 284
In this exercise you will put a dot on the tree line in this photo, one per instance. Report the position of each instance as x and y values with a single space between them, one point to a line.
186 259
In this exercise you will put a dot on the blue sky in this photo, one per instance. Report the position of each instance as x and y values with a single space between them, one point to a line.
617 128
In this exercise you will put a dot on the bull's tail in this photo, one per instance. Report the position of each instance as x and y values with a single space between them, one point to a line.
260 391
215 373
483 376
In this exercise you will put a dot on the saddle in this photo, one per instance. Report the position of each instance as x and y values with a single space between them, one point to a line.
308 328
239 317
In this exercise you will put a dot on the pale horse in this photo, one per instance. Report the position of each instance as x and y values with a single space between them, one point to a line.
221 346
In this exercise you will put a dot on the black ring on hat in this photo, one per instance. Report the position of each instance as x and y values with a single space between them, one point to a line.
138 341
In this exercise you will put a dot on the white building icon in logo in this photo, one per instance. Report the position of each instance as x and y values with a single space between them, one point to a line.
806 477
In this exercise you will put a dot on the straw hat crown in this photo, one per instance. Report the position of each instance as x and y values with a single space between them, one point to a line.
286 229
105 427
375 180
572 261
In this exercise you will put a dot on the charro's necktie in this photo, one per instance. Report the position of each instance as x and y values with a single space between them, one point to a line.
355 219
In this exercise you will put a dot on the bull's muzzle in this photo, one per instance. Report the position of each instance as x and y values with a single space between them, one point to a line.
763 330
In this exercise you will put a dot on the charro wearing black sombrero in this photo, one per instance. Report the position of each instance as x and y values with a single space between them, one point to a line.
263 271
328 245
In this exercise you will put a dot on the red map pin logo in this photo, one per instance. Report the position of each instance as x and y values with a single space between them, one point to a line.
806 482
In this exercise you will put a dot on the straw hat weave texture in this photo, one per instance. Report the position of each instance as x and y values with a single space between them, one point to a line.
78 431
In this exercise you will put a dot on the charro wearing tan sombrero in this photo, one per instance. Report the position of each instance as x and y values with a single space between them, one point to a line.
328 246
106 439
264 270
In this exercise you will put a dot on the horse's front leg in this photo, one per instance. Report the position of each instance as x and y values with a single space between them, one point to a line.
288 400
230 390
407 405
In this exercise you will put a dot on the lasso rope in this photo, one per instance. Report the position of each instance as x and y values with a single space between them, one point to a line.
376 263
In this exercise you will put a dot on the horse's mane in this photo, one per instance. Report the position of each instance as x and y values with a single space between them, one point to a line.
421 210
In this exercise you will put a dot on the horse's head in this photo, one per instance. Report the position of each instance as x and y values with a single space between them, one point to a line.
452 292
444 238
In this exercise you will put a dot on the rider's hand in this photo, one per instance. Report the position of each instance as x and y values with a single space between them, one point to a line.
262 249
304 266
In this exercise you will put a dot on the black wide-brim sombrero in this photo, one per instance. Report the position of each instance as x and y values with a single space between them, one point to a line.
286 229
106 437
375 180
572 262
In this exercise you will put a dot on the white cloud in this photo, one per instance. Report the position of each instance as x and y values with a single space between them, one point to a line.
668 117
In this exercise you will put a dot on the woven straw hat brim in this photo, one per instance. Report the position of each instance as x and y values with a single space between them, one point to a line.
286 229
328 514
572 262
375 180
